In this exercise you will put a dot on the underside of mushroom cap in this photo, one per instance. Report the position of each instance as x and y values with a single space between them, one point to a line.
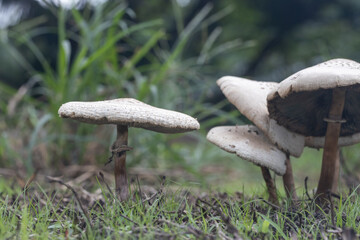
302 101
319 142
249 143
249 97
129 112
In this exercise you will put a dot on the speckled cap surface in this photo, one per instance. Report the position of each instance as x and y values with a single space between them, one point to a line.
129 112
249 143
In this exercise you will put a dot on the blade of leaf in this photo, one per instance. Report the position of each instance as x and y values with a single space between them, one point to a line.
179 46
143 51
276 226
100 52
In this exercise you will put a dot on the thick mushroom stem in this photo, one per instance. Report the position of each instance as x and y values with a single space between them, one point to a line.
121 183
270 185
330 154
288 180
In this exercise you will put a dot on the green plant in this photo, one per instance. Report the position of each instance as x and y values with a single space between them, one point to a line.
103 53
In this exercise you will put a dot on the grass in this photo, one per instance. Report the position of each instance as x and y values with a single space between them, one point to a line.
106 54
51 210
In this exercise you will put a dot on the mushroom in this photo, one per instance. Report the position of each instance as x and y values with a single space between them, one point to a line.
249 143
249 97
125 113
321 102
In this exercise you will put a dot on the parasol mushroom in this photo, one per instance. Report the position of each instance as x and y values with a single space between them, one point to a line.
125 113
249 143
249 97
321 102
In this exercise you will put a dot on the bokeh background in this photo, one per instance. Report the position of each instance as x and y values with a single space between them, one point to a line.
168 54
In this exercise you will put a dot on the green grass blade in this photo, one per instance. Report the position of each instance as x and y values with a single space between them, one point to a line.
103 50
143 51
80 21
28 25
179 19
274 225
63 64
194 23
113 55
178 49
24 224
23 62
39 55
230 45
208 44
76 66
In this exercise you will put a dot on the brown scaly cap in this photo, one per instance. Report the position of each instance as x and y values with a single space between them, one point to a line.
302 101
249 143
249 97
129 112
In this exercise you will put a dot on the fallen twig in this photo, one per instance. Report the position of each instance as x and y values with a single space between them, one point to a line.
125 217
270 203
116 199
19 95
57 180
162 185
150 198
230 227
31 179
306 188
332 213
220 233
349 233
140 193
107 186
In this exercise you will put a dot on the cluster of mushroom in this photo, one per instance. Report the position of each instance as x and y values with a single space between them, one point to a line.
268 143
316 107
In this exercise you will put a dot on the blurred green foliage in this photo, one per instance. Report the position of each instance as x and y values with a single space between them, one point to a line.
167 54
103 53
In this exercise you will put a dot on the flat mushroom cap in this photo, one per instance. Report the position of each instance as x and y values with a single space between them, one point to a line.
249 97
249 143
129 112
302 101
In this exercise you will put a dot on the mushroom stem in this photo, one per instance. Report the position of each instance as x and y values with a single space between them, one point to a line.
270 185
288 180
121 183
330 154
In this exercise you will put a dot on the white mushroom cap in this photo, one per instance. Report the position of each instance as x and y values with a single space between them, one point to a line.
327 75
302 101
249 143
249 97
129 112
